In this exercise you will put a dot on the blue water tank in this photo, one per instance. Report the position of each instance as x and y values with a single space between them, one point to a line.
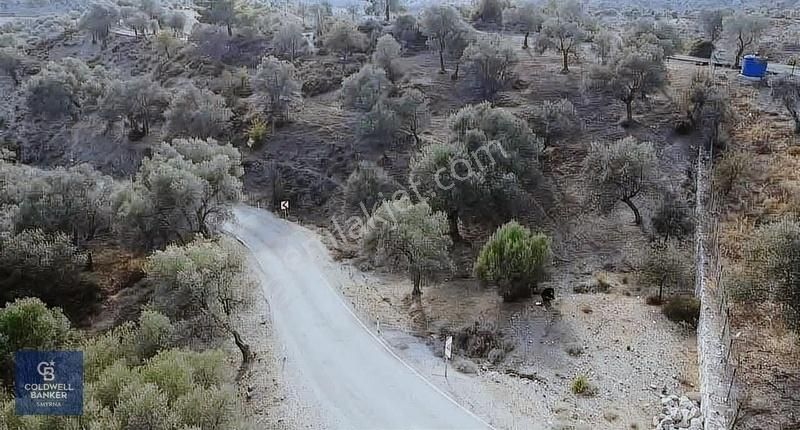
754 67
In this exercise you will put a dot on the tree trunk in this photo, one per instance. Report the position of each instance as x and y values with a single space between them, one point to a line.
441 60
452 218
565 56
739 53
230 31
244 348
635 210
417 281
14 77
629 111
525 42
454 76
387 10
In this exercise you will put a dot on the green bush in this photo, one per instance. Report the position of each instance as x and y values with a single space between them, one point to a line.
515 259
208 408
145 407
29 324
683 310
580 384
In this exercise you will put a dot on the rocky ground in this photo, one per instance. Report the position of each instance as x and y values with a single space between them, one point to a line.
630 353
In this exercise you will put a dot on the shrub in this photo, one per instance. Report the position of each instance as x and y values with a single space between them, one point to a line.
363 90
170 372
145 406
515 259
369 184
683 310
673 218
773 256
112 381
257 132
153 334
29 324
580 384
47 266
208 408
667 267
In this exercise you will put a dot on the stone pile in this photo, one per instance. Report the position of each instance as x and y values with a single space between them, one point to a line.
678 413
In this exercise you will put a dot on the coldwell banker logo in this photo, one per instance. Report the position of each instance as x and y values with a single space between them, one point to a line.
48 382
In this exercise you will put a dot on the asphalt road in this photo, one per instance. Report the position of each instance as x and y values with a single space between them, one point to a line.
358 381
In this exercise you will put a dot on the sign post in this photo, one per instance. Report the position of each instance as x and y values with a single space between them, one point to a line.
285 208
448 353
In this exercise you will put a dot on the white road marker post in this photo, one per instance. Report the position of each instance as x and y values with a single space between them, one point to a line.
285 208
448 353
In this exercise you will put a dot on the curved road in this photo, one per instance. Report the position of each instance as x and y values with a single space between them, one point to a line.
357 380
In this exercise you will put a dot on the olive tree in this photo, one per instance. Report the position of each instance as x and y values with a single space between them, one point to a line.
369 185
604 43
656 32
673 219
773 255
387 52
220 12
48 266
710 23
195 112
76 201
553 120
490 11
621 171
138 102
65 87
440 24
289 40
744 32
525 18
276 88
383 8
210 40
634 72
10 63
176 21
206 281
364 89
402 116
186 187
494 61
563 31
406 29
413 112
409 236
344 37
167 43
667 266
786 90
481 171
515 259
99 19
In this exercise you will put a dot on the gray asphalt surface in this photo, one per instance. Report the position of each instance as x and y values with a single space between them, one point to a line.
348 370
